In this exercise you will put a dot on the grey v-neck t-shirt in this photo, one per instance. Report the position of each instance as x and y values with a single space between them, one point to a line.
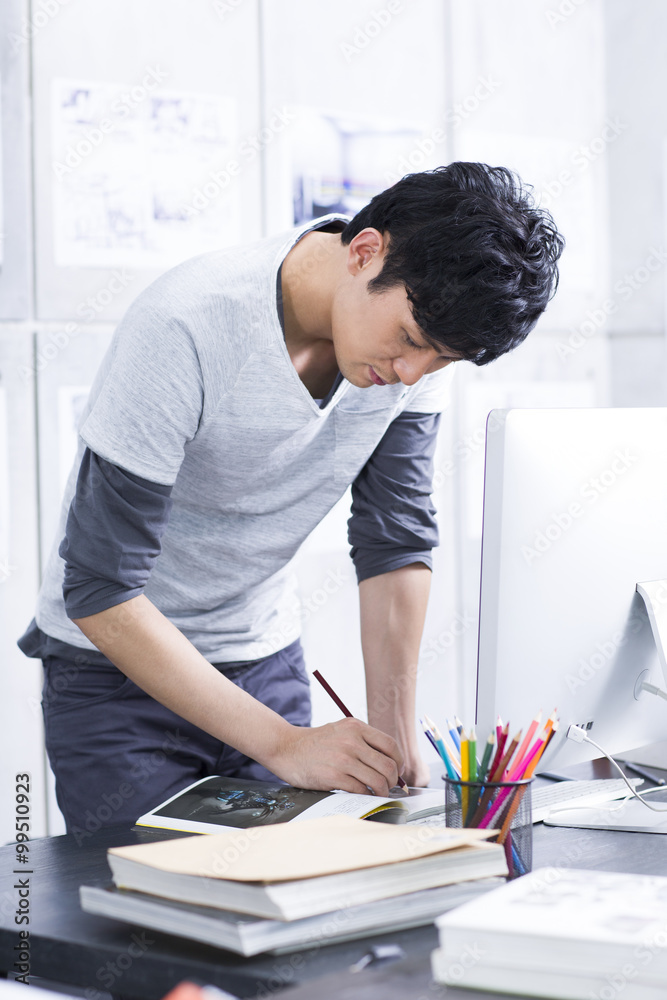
198 392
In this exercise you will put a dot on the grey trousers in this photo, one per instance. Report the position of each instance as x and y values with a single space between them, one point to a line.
116 752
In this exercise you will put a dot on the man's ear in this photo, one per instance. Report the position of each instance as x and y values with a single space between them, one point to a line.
366 249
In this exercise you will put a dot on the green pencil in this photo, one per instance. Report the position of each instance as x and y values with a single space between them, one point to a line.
486 758
472 755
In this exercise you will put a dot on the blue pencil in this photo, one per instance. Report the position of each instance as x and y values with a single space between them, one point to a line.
439 748
452 769
431 737
453 732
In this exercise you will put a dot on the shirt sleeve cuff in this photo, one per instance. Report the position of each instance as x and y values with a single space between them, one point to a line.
369 562
102 602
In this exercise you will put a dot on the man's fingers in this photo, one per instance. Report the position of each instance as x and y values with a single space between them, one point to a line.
384 744
348 754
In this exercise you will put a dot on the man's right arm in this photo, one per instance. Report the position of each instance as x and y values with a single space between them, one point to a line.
113 538
152 652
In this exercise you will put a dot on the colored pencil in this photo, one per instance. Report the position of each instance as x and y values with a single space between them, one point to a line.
430 737
486 757
472 755
332 694
439 747
465 776
344 709
444 753
441 750
453 732
499 774
530 770
455 755
520 768
497 757
532 729
496 775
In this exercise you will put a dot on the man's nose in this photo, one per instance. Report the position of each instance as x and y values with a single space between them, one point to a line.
411 369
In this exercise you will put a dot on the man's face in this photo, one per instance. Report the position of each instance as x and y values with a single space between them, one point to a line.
375 336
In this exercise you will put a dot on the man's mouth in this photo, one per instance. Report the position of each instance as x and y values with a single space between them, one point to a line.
375 377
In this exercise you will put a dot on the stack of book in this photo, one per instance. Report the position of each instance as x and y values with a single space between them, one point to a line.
294 885
566 934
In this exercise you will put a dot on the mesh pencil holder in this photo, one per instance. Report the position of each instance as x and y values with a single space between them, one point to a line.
502 806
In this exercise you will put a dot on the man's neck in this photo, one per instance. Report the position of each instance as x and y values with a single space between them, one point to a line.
309 274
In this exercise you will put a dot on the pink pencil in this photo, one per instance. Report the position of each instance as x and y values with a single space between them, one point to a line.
532 729
520 769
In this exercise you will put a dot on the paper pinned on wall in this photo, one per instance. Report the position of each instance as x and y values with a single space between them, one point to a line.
134 173
328 161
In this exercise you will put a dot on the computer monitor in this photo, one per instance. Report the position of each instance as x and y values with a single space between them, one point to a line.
575 515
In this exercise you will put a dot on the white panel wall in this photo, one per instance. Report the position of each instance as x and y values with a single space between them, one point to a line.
20 679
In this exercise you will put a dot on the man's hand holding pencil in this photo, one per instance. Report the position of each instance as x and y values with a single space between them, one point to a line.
349 755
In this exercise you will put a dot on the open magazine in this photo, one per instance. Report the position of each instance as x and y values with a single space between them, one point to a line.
216 803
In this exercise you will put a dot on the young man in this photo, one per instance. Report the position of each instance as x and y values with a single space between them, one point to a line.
242 394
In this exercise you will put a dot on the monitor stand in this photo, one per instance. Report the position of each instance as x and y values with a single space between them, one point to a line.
654 593
631 816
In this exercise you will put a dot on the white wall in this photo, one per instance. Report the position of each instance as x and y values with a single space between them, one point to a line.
532 84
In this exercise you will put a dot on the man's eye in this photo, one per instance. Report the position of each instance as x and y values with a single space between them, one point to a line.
411 343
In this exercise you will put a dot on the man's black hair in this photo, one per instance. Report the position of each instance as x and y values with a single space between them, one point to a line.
478 259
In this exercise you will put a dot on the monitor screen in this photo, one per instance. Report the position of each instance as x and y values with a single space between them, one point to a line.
575 515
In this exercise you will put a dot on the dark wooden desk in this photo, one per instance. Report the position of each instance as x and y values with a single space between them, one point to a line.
103 955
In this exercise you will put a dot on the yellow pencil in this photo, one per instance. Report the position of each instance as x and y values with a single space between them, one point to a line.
465 776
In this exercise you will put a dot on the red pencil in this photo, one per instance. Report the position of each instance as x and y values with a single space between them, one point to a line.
332 694
344 709
502 740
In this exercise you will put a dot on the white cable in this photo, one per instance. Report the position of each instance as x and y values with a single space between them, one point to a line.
652 689
578 735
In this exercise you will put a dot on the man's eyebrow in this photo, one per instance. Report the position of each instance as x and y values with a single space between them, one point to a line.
440 348
434 344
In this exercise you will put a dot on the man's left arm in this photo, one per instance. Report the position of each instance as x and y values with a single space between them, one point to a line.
393 608
392 531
